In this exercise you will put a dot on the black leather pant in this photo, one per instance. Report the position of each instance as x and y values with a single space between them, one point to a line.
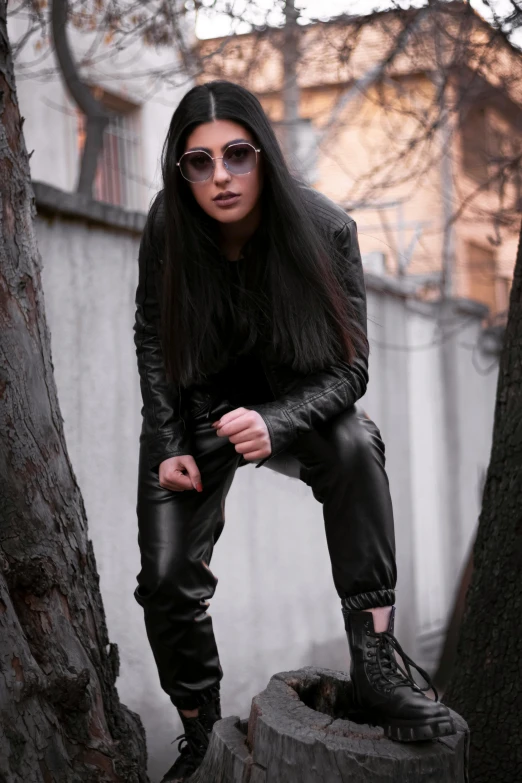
343 463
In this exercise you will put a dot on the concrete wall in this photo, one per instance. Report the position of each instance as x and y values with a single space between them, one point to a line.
275 607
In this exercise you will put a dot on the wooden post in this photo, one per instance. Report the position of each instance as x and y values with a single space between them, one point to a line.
304 728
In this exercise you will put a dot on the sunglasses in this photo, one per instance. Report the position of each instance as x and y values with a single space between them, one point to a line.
238 158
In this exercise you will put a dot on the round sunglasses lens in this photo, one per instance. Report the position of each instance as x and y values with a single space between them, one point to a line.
240 158
196 166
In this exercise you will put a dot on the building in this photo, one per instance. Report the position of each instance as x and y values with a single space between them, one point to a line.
136 82
435 204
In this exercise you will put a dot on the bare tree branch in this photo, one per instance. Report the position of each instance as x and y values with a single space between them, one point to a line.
97 117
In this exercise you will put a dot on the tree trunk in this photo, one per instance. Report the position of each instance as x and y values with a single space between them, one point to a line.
60 716
486 685
97 117
304 728
290 90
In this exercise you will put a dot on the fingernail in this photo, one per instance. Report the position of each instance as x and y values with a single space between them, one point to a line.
199 487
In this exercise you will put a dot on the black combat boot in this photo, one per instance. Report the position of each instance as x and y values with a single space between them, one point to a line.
384 691
193 743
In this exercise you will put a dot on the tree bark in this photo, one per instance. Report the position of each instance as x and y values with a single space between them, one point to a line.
486 685
61 720
305 728
290 91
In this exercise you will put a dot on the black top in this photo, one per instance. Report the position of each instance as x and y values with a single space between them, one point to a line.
243 380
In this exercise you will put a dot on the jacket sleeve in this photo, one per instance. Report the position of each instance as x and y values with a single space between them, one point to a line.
320 396
163 428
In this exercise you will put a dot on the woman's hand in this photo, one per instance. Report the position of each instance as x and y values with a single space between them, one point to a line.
247 430
171 474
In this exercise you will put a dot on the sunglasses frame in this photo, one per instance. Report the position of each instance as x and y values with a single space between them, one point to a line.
219 157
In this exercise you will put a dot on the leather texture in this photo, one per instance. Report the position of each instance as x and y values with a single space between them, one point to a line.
342 460
300 402
387 693
317 436
163 426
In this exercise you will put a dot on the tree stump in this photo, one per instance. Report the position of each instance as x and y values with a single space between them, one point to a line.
304 728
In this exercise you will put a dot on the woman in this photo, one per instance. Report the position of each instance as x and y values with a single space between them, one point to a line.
251 341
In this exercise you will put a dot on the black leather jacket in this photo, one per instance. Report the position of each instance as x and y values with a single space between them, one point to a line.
301 401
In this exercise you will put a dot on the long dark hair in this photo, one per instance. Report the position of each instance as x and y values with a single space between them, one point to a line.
293 301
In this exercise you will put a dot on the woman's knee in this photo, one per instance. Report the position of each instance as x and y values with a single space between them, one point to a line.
176 580
160 575
358 442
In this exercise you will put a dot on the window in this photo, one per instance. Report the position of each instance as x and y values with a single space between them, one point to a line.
490 143
118 179
503 293
473 135
481 275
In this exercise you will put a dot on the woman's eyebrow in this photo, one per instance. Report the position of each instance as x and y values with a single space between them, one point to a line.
223 148
234 141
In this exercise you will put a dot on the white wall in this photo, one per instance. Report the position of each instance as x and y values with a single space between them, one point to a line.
275 607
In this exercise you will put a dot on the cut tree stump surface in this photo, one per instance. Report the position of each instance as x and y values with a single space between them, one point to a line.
295 734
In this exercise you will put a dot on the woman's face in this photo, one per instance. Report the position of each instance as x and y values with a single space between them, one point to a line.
213 137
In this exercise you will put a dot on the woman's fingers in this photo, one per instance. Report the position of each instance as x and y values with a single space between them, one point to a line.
171 475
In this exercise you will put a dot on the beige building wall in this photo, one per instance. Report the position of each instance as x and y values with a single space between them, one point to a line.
399 182
357 164
486 247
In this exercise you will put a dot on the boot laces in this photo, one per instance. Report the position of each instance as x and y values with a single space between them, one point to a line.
390 668
193 742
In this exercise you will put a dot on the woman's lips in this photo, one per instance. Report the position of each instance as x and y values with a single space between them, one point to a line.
226 202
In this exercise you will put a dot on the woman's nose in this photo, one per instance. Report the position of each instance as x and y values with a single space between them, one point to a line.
220 172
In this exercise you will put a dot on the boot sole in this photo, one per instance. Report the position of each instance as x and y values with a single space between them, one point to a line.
411 731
